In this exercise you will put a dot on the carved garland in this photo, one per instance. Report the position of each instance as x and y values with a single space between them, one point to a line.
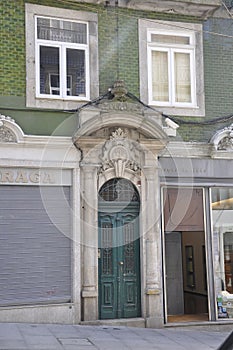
120 153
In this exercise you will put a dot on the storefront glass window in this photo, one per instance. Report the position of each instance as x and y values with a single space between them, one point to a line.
222 216
185 255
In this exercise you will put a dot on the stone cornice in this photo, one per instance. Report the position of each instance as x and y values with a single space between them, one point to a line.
181 149
187 150
198 8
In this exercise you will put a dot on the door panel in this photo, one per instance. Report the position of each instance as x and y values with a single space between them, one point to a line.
119 265
107 281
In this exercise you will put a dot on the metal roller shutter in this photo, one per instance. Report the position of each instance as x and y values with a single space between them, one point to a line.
35 254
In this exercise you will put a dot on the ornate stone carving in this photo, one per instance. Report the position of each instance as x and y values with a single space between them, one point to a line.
6 135
120 153
121 106
121 100
119 91
226 144
223 139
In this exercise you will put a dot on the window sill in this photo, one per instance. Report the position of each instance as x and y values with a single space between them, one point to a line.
56 103
181 111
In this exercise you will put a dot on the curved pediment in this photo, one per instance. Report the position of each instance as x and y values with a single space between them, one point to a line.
144 125
121 109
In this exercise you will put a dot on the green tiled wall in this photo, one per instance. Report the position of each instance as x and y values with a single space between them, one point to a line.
118 59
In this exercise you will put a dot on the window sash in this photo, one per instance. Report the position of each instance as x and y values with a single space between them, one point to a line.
172 87
160 75
80 90
182 77
64 73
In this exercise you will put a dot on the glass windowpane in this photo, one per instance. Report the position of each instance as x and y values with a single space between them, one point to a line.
62 31
170 39
49 70
182 77
118 190
160 87
76 84
222 214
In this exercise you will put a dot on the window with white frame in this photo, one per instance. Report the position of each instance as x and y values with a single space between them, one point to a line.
62 58
172 80
171 69
62 65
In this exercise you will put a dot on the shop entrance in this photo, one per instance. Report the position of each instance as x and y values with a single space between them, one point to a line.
185 255
119 250
186 285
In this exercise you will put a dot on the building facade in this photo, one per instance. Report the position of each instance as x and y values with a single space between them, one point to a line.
116 162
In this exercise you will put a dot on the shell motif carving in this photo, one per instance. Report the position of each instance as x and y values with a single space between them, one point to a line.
120 153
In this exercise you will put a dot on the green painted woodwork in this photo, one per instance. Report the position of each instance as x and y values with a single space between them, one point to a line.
119 261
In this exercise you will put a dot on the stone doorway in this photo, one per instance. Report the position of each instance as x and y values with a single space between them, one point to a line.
119 250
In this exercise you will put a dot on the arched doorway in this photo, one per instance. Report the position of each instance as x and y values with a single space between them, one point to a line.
119 250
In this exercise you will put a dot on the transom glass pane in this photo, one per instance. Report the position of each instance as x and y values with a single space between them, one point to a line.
170 39
182 77
60 30
160 76
119 190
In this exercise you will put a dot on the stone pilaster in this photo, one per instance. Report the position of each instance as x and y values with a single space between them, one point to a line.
153 259
89 242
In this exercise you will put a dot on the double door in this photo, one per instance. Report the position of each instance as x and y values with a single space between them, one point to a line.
119 264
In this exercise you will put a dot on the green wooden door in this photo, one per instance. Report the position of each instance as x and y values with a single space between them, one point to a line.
119 262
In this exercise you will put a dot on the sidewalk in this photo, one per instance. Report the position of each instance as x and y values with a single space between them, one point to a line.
75 337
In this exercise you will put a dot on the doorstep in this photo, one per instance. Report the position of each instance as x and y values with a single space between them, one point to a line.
126 322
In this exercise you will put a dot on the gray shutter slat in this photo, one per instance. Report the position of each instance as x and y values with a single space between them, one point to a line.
35 257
